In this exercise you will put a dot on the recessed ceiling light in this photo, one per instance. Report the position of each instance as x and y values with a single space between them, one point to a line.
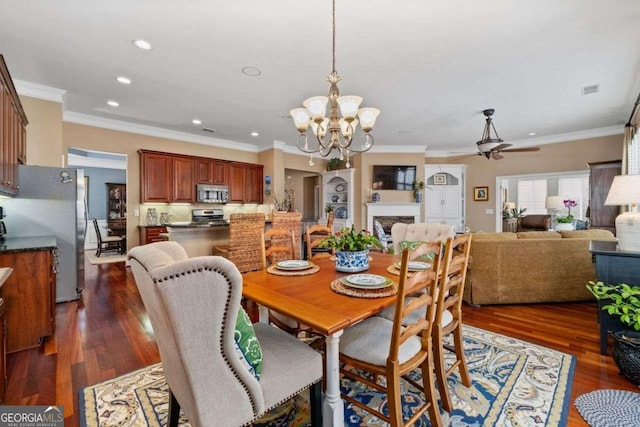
531 134
251 71
124 80
113 103
588 90
196 122
142 44
255 134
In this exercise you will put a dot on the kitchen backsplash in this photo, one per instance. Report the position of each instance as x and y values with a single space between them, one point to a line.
182 212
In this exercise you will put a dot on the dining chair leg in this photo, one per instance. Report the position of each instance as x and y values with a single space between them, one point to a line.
315 397
461 359
394 398
441 370
428 384
174 410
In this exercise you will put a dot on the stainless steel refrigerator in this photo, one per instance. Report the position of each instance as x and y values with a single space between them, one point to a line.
51 201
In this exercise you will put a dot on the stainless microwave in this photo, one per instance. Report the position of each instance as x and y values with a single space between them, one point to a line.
212 193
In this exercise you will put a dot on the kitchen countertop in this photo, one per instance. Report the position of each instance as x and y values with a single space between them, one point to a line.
26 244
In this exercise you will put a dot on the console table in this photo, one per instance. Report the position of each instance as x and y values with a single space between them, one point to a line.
613 267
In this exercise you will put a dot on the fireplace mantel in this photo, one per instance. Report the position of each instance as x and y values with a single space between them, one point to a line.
392 209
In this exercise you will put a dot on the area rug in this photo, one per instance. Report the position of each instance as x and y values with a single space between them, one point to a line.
104 258
610 408
514 383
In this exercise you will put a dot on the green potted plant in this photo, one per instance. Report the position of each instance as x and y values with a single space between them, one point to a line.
328 208
621 303
566 222
335 163
351 248
417 187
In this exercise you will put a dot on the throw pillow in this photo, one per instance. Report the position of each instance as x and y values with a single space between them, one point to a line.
380 234
412 245
247 345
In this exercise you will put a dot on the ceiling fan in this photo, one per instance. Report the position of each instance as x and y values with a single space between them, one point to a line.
491 147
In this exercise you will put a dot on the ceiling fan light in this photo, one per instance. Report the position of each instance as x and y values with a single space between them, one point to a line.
300 118
349 106
316 106
368 118
486 146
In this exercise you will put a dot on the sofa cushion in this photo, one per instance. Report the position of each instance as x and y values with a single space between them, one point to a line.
538 235
247 345
494 236
592 234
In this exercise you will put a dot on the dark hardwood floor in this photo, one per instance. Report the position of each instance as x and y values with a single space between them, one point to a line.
107 333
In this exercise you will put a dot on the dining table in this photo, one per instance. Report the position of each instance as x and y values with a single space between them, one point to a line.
308 298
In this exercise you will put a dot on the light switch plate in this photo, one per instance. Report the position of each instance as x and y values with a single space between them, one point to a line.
488 211
136 212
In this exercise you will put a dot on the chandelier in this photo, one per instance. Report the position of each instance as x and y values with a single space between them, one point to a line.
334 132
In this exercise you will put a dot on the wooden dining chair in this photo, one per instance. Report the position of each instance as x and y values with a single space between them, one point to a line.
245 247
380 347
279 245
108 243
291 221
449 317
313 236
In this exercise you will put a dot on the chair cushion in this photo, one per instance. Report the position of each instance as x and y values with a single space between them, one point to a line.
412 245
369 342
382 236
247 345
389 312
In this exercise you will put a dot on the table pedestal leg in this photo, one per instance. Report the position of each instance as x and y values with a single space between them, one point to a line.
333 406
263 313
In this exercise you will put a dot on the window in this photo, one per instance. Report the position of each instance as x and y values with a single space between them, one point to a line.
634 155
532 194
575 188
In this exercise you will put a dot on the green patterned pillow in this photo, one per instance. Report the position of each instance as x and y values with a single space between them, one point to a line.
412 245
247 345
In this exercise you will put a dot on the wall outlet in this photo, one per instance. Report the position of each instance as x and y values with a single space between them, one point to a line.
488 211
136 212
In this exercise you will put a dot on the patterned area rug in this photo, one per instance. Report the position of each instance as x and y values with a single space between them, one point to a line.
515 383
610 408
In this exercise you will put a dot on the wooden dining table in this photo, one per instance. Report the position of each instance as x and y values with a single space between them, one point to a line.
310 300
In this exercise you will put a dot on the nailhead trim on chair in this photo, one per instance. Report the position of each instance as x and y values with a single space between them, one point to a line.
224 326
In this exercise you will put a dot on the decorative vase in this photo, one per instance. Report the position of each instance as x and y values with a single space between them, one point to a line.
418 196
565 226
352 262
152 216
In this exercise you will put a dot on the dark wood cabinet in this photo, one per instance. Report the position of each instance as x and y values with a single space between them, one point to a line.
211 171
151 234
30 297
166 178
600 178
13 134
116 209
245 183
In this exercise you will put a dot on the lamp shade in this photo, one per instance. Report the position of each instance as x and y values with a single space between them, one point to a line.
624 190
554 202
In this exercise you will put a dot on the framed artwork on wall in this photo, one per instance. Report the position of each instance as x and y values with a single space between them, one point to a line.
440 179
480 194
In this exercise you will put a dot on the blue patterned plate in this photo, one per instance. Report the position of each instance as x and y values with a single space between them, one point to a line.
366 281
415 265
294 264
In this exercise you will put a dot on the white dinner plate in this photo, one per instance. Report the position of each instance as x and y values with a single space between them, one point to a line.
415 265
367 281
294 264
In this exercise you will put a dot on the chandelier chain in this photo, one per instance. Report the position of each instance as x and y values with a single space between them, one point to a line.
333 46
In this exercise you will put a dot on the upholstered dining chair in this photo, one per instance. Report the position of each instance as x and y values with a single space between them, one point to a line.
108 243
245 247
381 347
420 232
291 221
313 236
200 328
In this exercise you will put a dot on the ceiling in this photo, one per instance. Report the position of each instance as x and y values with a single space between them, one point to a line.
430 67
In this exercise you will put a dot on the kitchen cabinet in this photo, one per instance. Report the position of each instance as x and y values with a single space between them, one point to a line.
337 193
30 297
13 133
211 171
445 196
151 234
600 178
166 178
245 183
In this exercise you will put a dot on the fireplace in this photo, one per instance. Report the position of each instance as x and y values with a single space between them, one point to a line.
388 221
387 214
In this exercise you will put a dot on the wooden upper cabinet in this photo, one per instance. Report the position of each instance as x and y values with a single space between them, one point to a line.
211 171
245 183
600 179
156 177
13 123
184 187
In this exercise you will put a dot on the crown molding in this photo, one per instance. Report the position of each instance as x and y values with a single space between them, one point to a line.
277 145
101 122
94 162
34 90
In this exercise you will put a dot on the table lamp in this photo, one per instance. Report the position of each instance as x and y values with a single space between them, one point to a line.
554 204
625 190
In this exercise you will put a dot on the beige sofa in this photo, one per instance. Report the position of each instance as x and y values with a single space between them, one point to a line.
530 267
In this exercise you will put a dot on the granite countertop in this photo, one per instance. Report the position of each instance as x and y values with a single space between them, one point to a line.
26 244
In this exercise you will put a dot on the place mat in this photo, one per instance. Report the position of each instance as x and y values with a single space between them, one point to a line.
338 287
278 272
395 270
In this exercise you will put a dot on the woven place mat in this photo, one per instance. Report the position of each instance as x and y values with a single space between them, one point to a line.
395 270
278 272
340 288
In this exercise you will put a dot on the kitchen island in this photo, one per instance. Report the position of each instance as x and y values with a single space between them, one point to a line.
197 239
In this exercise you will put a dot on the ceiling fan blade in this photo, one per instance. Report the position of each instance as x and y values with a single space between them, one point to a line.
520 150
466 156
496 156
501 147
